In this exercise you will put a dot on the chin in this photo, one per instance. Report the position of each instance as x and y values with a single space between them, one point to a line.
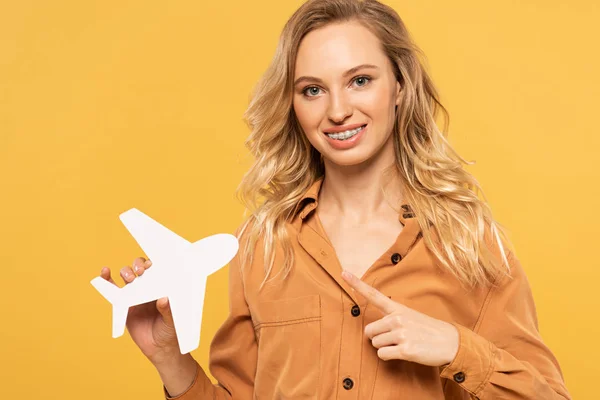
349 159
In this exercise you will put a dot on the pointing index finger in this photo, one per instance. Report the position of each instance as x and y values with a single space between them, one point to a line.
374 296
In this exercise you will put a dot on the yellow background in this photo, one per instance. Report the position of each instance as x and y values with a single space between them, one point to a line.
109 105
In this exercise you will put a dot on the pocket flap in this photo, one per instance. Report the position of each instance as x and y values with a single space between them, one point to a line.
287 310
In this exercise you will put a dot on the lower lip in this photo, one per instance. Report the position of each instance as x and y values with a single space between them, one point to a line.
346 144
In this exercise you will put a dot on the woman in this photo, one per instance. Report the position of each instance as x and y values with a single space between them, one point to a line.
352 173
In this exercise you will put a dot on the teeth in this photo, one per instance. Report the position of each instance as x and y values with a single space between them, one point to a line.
344 135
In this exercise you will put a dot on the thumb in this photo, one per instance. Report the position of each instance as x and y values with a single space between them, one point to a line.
164 308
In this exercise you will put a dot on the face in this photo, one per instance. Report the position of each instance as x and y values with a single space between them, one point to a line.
345 94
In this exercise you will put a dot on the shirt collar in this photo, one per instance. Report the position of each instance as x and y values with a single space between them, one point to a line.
310 200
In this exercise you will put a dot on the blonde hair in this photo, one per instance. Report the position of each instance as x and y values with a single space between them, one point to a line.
442 195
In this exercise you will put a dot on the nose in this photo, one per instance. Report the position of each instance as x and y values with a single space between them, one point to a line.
339 108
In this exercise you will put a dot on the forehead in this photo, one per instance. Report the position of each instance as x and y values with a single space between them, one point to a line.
337 48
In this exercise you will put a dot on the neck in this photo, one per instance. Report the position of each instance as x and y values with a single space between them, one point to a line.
355 192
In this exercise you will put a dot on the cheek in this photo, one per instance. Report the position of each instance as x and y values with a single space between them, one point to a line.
308 115
377 103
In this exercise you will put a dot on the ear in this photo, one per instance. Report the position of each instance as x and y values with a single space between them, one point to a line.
398 92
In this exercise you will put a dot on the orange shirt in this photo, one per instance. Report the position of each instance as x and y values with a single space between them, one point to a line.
304 337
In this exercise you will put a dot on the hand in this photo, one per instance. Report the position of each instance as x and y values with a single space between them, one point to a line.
406 334
150 325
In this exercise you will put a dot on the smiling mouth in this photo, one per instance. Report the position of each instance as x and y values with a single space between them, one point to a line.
346 134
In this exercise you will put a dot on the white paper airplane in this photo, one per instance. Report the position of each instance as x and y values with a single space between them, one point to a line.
179 271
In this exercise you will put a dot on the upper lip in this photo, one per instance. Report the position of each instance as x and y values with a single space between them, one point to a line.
337 129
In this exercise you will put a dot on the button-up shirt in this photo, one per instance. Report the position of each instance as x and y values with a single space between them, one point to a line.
303 337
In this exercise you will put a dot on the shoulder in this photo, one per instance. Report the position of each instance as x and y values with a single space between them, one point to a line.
498 252
510 289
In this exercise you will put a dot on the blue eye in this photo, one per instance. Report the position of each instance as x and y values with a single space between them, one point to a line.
364 79
311 89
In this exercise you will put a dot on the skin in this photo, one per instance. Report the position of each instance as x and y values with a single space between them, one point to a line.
351 205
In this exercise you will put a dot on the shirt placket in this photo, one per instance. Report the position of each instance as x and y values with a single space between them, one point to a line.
351 350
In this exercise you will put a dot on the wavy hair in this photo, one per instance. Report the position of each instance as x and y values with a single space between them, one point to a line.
457 226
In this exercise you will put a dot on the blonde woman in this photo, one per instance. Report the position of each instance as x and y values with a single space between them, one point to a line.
352 174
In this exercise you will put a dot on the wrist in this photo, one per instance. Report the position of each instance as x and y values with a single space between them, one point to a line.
454 344
177 372
170 360
166 355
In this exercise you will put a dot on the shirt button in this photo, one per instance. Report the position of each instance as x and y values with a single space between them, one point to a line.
459 377
355 311
396 257
348 384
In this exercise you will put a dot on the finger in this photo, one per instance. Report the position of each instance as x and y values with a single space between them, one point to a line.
374 296
140 265
105 274
383 325
127 275
164 308
391 353
390 338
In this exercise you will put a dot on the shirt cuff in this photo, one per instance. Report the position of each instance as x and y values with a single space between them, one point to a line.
188 390
474 361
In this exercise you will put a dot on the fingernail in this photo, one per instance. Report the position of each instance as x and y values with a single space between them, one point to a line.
148 262
137 269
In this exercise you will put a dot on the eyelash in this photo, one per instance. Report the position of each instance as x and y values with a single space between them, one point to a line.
368 78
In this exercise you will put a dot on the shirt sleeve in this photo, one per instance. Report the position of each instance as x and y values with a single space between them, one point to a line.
233 351
504 357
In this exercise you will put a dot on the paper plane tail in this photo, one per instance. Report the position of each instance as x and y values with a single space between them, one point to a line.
106 289
111 293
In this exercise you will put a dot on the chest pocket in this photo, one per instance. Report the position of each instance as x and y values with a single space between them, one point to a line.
288 332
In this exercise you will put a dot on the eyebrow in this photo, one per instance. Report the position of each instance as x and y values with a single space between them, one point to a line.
345 74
